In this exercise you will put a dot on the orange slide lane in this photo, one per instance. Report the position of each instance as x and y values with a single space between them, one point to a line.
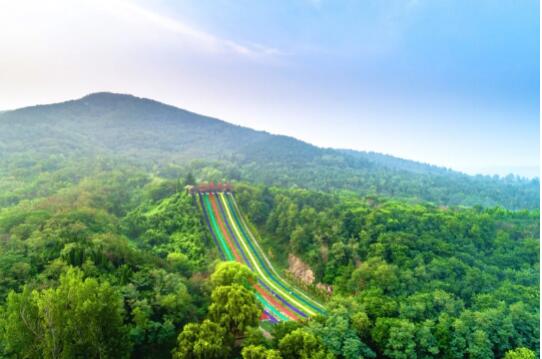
234 249
275 303
224 230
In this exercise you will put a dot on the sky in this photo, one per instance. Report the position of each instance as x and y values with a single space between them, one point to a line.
453 83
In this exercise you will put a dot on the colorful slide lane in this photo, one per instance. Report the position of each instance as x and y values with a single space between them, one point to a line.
234 239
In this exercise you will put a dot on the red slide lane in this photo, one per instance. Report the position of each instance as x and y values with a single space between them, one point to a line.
223 229
276 303
232 246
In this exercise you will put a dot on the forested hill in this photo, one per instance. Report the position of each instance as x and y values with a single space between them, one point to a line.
105 127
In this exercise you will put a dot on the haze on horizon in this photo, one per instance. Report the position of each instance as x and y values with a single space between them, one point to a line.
451 83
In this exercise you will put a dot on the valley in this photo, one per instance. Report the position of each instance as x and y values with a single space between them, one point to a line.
281 300
110 248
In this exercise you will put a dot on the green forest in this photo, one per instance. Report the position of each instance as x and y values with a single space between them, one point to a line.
103 253
120 264
48 147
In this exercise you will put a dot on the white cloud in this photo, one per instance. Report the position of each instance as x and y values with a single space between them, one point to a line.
59 49
69 16
200 38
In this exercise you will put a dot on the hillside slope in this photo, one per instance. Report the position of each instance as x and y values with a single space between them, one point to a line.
280 300
156 136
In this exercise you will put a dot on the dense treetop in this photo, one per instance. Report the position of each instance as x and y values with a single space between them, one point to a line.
424 281
130 258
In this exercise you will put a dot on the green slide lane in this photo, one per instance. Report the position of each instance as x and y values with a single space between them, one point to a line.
216 230
281 300
263 265
283 291
259 252
269 307
215 227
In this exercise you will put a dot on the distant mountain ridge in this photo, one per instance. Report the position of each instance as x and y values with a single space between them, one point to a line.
156 135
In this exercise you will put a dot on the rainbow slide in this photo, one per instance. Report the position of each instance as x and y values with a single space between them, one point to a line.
280 300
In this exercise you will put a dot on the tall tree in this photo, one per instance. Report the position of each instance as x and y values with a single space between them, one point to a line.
206 340
235 308
82 318
520 353
228 273
301 344
259 352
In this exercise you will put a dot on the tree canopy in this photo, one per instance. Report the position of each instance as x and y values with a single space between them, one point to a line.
120 264
81 318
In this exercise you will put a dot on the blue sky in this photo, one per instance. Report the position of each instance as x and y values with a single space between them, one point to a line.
452 83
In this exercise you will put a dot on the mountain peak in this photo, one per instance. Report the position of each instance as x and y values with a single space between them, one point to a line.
101 97
111 101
